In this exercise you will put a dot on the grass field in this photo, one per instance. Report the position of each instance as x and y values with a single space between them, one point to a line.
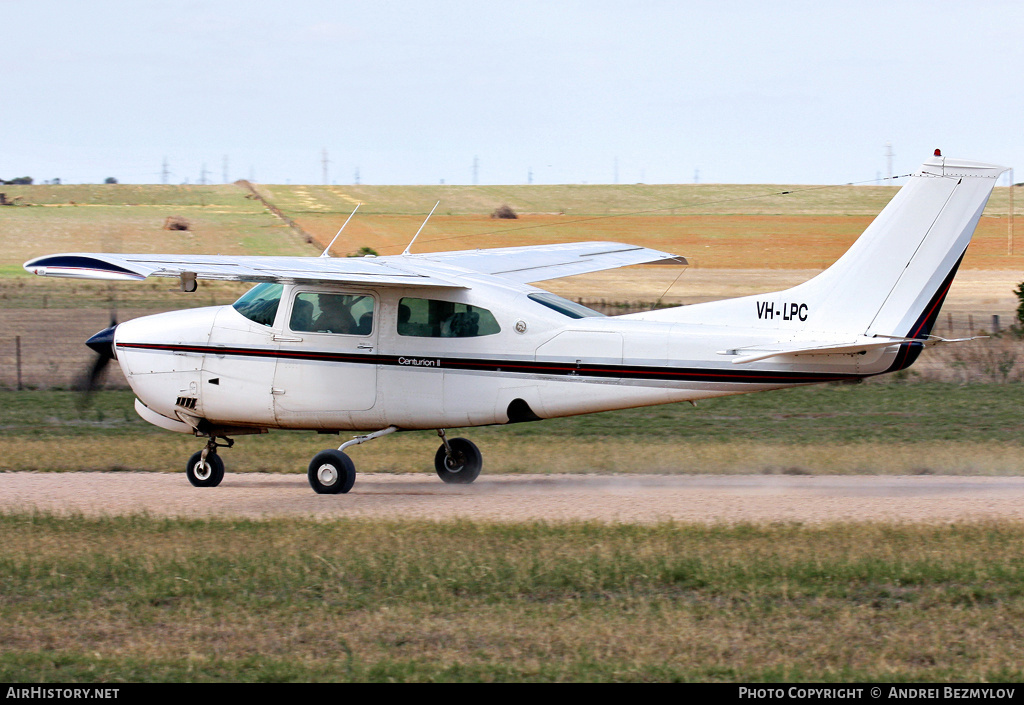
740 240
874 428
719 226
145 599
142 599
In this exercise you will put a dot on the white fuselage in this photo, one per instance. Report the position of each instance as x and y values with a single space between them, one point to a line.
217 367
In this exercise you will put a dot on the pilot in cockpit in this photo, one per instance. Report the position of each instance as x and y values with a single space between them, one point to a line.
335 316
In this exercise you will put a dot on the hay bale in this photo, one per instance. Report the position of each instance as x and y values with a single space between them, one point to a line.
175 222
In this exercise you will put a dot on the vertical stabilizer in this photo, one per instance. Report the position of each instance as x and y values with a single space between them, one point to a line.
891 282
907 257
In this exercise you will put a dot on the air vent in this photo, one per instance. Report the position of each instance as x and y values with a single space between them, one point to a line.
186 402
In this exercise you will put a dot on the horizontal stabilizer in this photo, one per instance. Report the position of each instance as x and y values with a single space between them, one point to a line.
856 347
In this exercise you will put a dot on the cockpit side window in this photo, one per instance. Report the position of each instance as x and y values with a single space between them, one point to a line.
260 303
431 318
348 314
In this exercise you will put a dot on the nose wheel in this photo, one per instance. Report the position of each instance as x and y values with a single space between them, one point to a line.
205 472
205 468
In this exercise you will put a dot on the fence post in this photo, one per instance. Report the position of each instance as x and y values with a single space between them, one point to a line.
995 323
17 358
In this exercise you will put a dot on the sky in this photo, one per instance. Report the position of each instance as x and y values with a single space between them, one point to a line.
524 91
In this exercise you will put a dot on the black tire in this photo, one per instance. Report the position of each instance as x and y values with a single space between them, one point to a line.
208 474
331 472
465 464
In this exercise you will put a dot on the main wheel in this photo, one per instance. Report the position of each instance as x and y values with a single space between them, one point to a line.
331 472
205 474
464 464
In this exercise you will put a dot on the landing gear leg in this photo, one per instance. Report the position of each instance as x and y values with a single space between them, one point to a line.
333 472
205 468
458 461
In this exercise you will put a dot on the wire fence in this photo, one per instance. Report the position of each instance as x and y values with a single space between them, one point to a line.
49 351
949 325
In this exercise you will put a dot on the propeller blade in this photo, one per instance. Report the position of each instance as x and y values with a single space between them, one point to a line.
103 344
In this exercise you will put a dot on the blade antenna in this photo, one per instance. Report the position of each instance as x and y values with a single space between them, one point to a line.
326 253
421 228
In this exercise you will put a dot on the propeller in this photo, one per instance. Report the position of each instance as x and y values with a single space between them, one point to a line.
103 344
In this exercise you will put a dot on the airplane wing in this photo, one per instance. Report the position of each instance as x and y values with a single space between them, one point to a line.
521 264
538 263
348 270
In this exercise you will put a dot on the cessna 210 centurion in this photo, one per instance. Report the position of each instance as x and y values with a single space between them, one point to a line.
460 339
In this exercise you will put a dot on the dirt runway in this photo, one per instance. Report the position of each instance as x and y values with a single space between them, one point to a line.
605 498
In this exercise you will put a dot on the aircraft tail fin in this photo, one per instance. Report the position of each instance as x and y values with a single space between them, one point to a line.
891 282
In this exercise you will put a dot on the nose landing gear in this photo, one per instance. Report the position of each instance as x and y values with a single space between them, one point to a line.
205 468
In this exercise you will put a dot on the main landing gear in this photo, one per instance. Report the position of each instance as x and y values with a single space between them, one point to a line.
331 472
457 462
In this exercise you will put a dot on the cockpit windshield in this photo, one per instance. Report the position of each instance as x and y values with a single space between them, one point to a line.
260 303
564 306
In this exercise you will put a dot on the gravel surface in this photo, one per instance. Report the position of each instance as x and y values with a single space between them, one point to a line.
608 498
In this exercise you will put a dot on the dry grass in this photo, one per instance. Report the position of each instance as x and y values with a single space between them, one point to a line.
995 359
290 453
719 226
875 428
740 240
138 599
147 599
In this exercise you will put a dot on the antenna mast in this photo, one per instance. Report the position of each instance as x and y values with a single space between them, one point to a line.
421 228
326 253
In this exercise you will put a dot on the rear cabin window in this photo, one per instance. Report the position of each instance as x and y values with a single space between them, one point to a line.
430 318
260 303
348 314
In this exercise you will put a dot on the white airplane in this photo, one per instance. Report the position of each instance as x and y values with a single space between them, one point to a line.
459 339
